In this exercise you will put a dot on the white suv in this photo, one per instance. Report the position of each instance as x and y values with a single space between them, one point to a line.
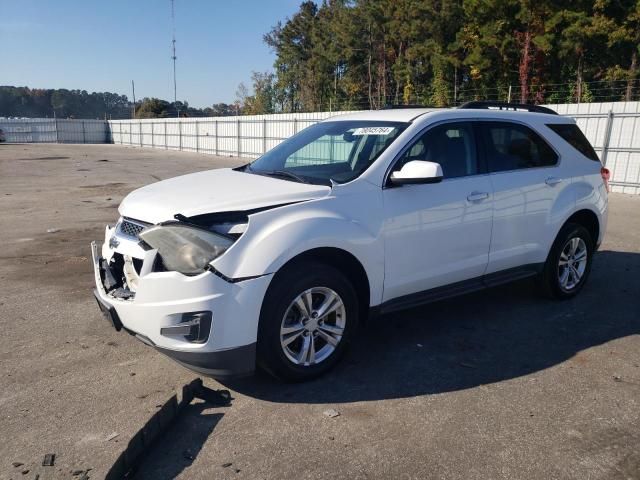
276 262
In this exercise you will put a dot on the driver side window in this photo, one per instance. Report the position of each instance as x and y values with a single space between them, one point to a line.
452 145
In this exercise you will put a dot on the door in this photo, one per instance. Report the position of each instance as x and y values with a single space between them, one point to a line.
437 234
526 180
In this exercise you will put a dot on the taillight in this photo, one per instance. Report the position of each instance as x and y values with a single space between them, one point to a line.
605 174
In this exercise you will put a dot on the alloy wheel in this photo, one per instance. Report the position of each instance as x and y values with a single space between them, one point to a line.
313 326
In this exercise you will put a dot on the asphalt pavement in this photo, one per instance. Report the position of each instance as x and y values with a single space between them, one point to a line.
499 384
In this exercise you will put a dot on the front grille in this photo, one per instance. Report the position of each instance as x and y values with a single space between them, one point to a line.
130 228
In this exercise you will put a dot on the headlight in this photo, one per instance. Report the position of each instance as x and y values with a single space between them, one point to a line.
185 249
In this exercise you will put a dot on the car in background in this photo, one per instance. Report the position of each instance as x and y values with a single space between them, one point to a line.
277 262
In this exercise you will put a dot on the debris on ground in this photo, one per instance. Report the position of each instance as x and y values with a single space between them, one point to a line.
331 413
617 378
49 460
24 472
227 465
467 365
217 398
112 436
84 474
17 464
53 230
419 345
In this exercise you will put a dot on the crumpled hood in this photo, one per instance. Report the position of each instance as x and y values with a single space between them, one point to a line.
213 191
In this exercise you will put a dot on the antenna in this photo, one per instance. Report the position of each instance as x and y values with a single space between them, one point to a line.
173 57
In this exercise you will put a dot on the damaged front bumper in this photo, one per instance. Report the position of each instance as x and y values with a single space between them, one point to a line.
204 322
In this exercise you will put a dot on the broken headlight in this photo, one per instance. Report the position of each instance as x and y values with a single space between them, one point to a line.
184 248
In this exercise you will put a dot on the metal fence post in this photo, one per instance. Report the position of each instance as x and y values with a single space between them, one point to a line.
84 134
607 137
216 133
153 143
295 125
55 120
238 135
197 137
264 135
130 133
179 135
140 132
166 143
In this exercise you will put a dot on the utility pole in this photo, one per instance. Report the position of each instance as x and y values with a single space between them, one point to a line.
133 90
173 57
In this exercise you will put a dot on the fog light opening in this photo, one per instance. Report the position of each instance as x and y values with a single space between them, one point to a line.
194 327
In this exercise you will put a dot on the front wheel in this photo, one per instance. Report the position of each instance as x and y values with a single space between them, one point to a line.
308 317
569 262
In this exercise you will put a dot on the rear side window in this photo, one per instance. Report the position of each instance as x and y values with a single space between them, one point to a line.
511 146
572 134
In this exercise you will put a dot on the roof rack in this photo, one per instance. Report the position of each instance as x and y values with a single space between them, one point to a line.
394 106
507 106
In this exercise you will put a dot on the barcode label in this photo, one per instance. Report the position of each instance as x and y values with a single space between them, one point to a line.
373 131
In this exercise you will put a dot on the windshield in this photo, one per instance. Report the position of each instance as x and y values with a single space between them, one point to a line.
338 151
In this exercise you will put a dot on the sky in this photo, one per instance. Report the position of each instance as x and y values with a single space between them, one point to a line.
102 45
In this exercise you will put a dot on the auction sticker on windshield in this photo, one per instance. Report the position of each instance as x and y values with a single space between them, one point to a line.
373 130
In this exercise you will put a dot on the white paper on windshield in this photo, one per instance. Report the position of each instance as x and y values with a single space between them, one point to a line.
373 130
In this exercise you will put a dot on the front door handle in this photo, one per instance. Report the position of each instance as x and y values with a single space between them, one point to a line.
551 181
477 196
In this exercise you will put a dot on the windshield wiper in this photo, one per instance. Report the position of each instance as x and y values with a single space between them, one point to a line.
287 174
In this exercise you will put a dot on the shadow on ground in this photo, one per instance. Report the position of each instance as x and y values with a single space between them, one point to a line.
481 338
179 446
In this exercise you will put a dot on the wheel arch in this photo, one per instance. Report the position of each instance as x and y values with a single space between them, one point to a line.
588 219
341 260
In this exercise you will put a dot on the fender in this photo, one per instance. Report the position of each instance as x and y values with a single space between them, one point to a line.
591 194
584 196
276 236
563 207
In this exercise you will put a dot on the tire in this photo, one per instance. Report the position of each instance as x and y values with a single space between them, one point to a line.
284 317
559 281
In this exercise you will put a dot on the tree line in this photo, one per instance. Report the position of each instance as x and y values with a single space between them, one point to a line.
34 102
350 54
63 103
366 54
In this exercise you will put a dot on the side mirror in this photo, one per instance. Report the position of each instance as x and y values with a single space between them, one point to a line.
417 171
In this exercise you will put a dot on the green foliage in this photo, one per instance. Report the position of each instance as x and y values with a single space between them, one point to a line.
26 102
343 54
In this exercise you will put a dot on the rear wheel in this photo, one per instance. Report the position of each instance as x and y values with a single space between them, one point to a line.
569 262
308 317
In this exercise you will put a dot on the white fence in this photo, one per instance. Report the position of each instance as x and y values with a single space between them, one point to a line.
48 130
612 128
614 131
241 136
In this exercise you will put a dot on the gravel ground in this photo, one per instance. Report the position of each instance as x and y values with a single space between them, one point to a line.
496 384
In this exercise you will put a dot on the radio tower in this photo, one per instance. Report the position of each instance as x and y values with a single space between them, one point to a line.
173 57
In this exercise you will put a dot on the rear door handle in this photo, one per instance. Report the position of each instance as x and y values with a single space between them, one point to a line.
477 196
551 181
